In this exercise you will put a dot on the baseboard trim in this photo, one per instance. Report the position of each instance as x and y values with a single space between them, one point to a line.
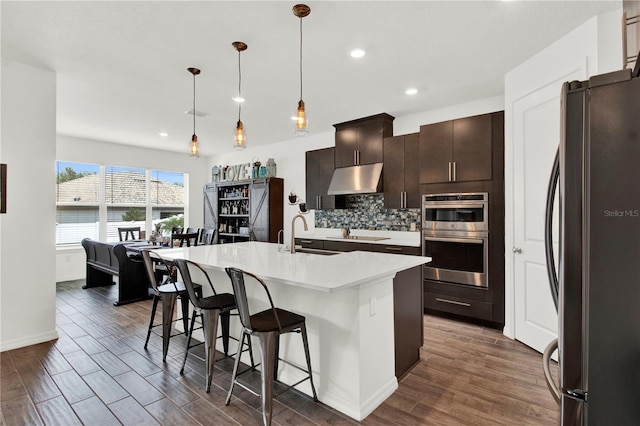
28 341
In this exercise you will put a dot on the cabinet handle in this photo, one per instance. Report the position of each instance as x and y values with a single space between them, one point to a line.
306 241
455 171
319 202
355 157
449 171
405 200
401 199
453 302
393 248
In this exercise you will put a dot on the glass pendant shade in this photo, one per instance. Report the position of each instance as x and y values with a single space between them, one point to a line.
301 119
240 138
194 147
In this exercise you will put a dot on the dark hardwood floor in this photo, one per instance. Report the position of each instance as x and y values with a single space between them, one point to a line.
97 373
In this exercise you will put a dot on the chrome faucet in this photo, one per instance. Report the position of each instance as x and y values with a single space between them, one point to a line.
280 238
293 231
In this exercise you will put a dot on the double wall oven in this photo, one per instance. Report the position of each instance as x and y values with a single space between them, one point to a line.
456 235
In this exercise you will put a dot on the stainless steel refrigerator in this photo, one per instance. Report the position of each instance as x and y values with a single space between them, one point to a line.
597 288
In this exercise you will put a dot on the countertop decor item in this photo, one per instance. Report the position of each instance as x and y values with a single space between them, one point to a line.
301 10
194 147
215 174
240 138
271 168
255 170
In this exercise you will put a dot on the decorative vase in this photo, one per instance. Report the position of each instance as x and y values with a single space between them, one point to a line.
271 168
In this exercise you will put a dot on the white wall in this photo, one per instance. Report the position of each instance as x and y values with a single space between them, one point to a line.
70 261
27 237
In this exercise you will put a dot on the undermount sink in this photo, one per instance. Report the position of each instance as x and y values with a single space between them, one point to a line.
360 237
316 251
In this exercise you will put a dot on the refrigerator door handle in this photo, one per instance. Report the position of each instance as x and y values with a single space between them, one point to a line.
548 377
548 229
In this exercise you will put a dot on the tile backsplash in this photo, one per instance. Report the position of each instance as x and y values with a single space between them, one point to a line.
367 212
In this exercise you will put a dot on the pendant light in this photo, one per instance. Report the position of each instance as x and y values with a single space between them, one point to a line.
301 10
194 147
240 138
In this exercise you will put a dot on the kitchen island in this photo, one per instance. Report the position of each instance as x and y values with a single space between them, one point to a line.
347 300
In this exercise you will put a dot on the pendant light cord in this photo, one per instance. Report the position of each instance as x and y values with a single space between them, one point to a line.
239 85
194 103
300 58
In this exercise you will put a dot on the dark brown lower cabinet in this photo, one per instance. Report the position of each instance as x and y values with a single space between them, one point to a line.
458 299
407 319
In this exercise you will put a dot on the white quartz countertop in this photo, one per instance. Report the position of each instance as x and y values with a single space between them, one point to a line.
395 238
327 273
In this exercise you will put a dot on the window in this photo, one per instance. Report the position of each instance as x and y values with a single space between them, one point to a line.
77 200
93 201
167 194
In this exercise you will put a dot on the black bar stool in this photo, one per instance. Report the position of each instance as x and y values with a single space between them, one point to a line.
267 325
168 293
209 308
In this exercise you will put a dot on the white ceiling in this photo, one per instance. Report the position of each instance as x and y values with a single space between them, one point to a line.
122 64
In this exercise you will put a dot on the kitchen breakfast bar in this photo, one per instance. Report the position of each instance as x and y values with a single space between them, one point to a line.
348 302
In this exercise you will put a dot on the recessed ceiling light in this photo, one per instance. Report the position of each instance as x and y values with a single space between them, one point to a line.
411 91
357 53
163 134
238 99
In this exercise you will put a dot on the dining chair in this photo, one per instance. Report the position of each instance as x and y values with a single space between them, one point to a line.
174 231
182 239
207 236
168 293
209 309
267 325
125 232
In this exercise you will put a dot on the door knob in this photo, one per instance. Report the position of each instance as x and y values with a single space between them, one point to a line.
516 250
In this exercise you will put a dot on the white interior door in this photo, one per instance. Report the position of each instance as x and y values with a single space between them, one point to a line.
536 118
536 124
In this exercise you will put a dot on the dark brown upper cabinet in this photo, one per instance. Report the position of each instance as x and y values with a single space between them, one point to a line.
319 170
360 141
457 150
401 171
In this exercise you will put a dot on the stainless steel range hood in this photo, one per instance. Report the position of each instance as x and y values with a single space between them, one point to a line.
363 179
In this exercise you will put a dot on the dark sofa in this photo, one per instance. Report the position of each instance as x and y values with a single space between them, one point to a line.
106 260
